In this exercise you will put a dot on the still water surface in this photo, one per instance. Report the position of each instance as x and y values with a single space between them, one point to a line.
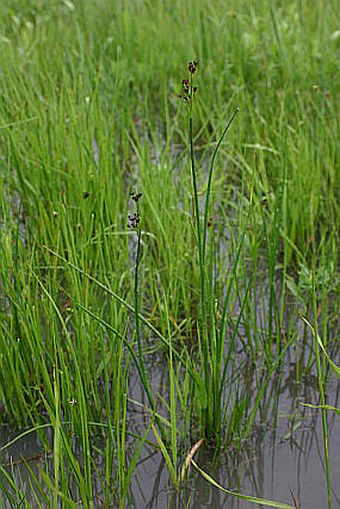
274 460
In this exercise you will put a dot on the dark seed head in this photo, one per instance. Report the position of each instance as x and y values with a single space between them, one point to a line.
210 222
135 196
193 66
133 221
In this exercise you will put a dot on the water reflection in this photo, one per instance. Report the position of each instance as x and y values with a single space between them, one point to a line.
284 451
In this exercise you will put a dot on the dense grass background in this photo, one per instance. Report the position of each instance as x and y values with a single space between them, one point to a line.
89 109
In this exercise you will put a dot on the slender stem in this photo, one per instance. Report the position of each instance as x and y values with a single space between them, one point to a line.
142 370
137 324
195 188
322 399
206 352
211 171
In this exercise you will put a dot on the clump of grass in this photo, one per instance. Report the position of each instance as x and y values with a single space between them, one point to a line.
210 338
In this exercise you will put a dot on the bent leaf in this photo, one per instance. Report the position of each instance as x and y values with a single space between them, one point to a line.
334 367
254 500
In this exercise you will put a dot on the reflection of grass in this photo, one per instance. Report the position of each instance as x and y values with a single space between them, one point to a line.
88 110
320 347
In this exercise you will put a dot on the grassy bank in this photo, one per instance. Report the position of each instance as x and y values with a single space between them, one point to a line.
140 229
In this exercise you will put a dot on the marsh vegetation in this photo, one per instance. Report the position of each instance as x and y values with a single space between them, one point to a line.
169 240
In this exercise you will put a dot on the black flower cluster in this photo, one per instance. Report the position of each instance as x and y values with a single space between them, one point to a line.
187 87
134 219
193 66
135 196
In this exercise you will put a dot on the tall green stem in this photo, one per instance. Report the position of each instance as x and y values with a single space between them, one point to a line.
145 380
211 171
322 399
201 258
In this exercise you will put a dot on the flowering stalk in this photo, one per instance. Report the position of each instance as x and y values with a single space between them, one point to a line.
211 341
134 224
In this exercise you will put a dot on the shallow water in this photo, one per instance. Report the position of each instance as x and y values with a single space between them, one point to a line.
276 458
269 465
283 453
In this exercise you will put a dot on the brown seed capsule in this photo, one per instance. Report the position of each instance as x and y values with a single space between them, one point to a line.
192 66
